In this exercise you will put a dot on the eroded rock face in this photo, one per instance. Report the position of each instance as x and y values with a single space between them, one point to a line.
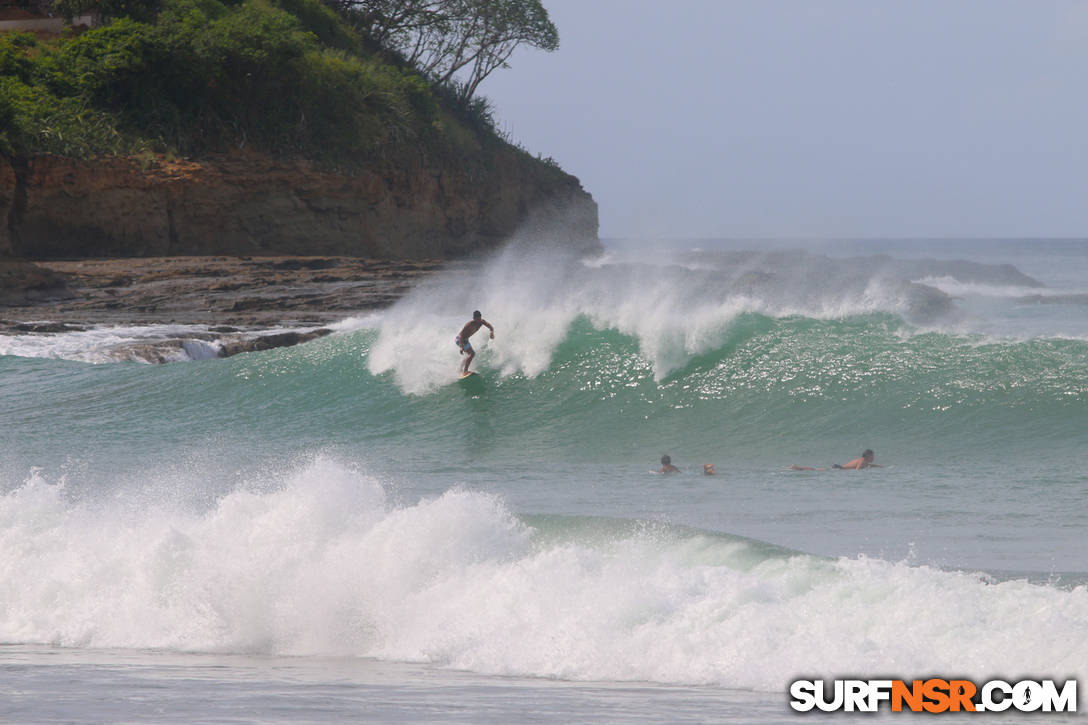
7 203
253 204
23 283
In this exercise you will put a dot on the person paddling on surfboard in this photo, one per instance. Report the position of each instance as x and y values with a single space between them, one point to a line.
468 331
865 461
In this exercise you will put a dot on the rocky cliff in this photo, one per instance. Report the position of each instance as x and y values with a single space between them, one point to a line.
253 204
8 183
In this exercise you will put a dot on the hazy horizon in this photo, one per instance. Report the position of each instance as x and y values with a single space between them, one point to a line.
830 120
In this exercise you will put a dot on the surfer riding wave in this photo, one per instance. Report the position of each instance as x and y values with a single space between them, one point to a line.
468 331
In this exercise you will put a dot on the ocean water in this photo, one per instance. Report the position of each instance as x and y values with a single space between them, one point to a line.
344 532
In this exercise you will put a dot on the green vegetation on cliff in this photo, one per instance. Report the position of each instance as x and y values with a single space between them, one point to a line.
346 127
187 77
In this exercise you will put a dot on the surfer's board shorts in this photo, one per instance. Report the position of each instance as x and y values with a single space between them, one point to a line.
467 347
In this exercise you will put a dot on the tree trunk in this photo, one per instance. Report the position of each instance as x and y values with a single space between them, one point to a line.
8 190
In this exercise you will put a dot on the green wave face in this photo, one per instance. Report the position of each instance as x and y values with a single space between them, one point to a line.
785 390
791 384
759 360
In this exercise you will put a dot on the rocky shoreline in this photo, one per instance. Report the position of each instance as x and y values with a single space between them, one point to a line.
238 299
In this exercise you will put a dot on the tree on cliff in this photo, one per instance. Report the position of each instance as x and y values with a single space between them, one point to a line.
445 38
7 122
288 76
144 10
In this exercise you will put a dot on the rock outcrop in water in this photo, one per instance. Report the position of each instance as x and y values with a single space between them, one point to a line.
225 344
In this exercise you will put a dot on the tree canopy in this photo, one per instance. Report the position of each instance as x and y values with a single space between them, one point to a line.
293 76
455 43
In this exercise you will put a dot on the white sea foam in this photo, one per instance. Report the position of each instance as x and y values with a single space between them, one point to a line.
533 295
125 343
958 288
323 562
108 344
367 321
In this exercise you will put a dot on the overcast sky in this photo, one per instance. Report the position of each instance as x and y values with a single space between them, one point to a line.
806 118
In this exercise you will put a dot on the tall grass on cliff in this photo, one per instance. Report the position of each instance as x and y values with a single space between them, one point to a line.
32 117
195 76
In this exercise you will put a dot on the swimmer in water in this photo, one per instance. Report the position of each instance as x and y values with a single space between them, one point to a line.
666 465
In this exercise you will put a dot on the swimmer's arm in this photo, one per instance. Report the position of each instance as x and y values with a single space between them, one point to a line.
488 326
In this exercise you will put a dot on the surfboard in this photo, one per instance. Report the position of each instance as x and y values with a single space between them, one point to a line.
467 375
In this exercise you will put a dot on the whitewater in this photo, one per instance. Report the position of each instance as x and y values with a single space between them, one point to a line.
344 531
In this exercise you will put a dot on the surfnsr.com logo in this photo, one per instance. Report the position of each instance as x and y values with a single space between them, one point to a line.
933 695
